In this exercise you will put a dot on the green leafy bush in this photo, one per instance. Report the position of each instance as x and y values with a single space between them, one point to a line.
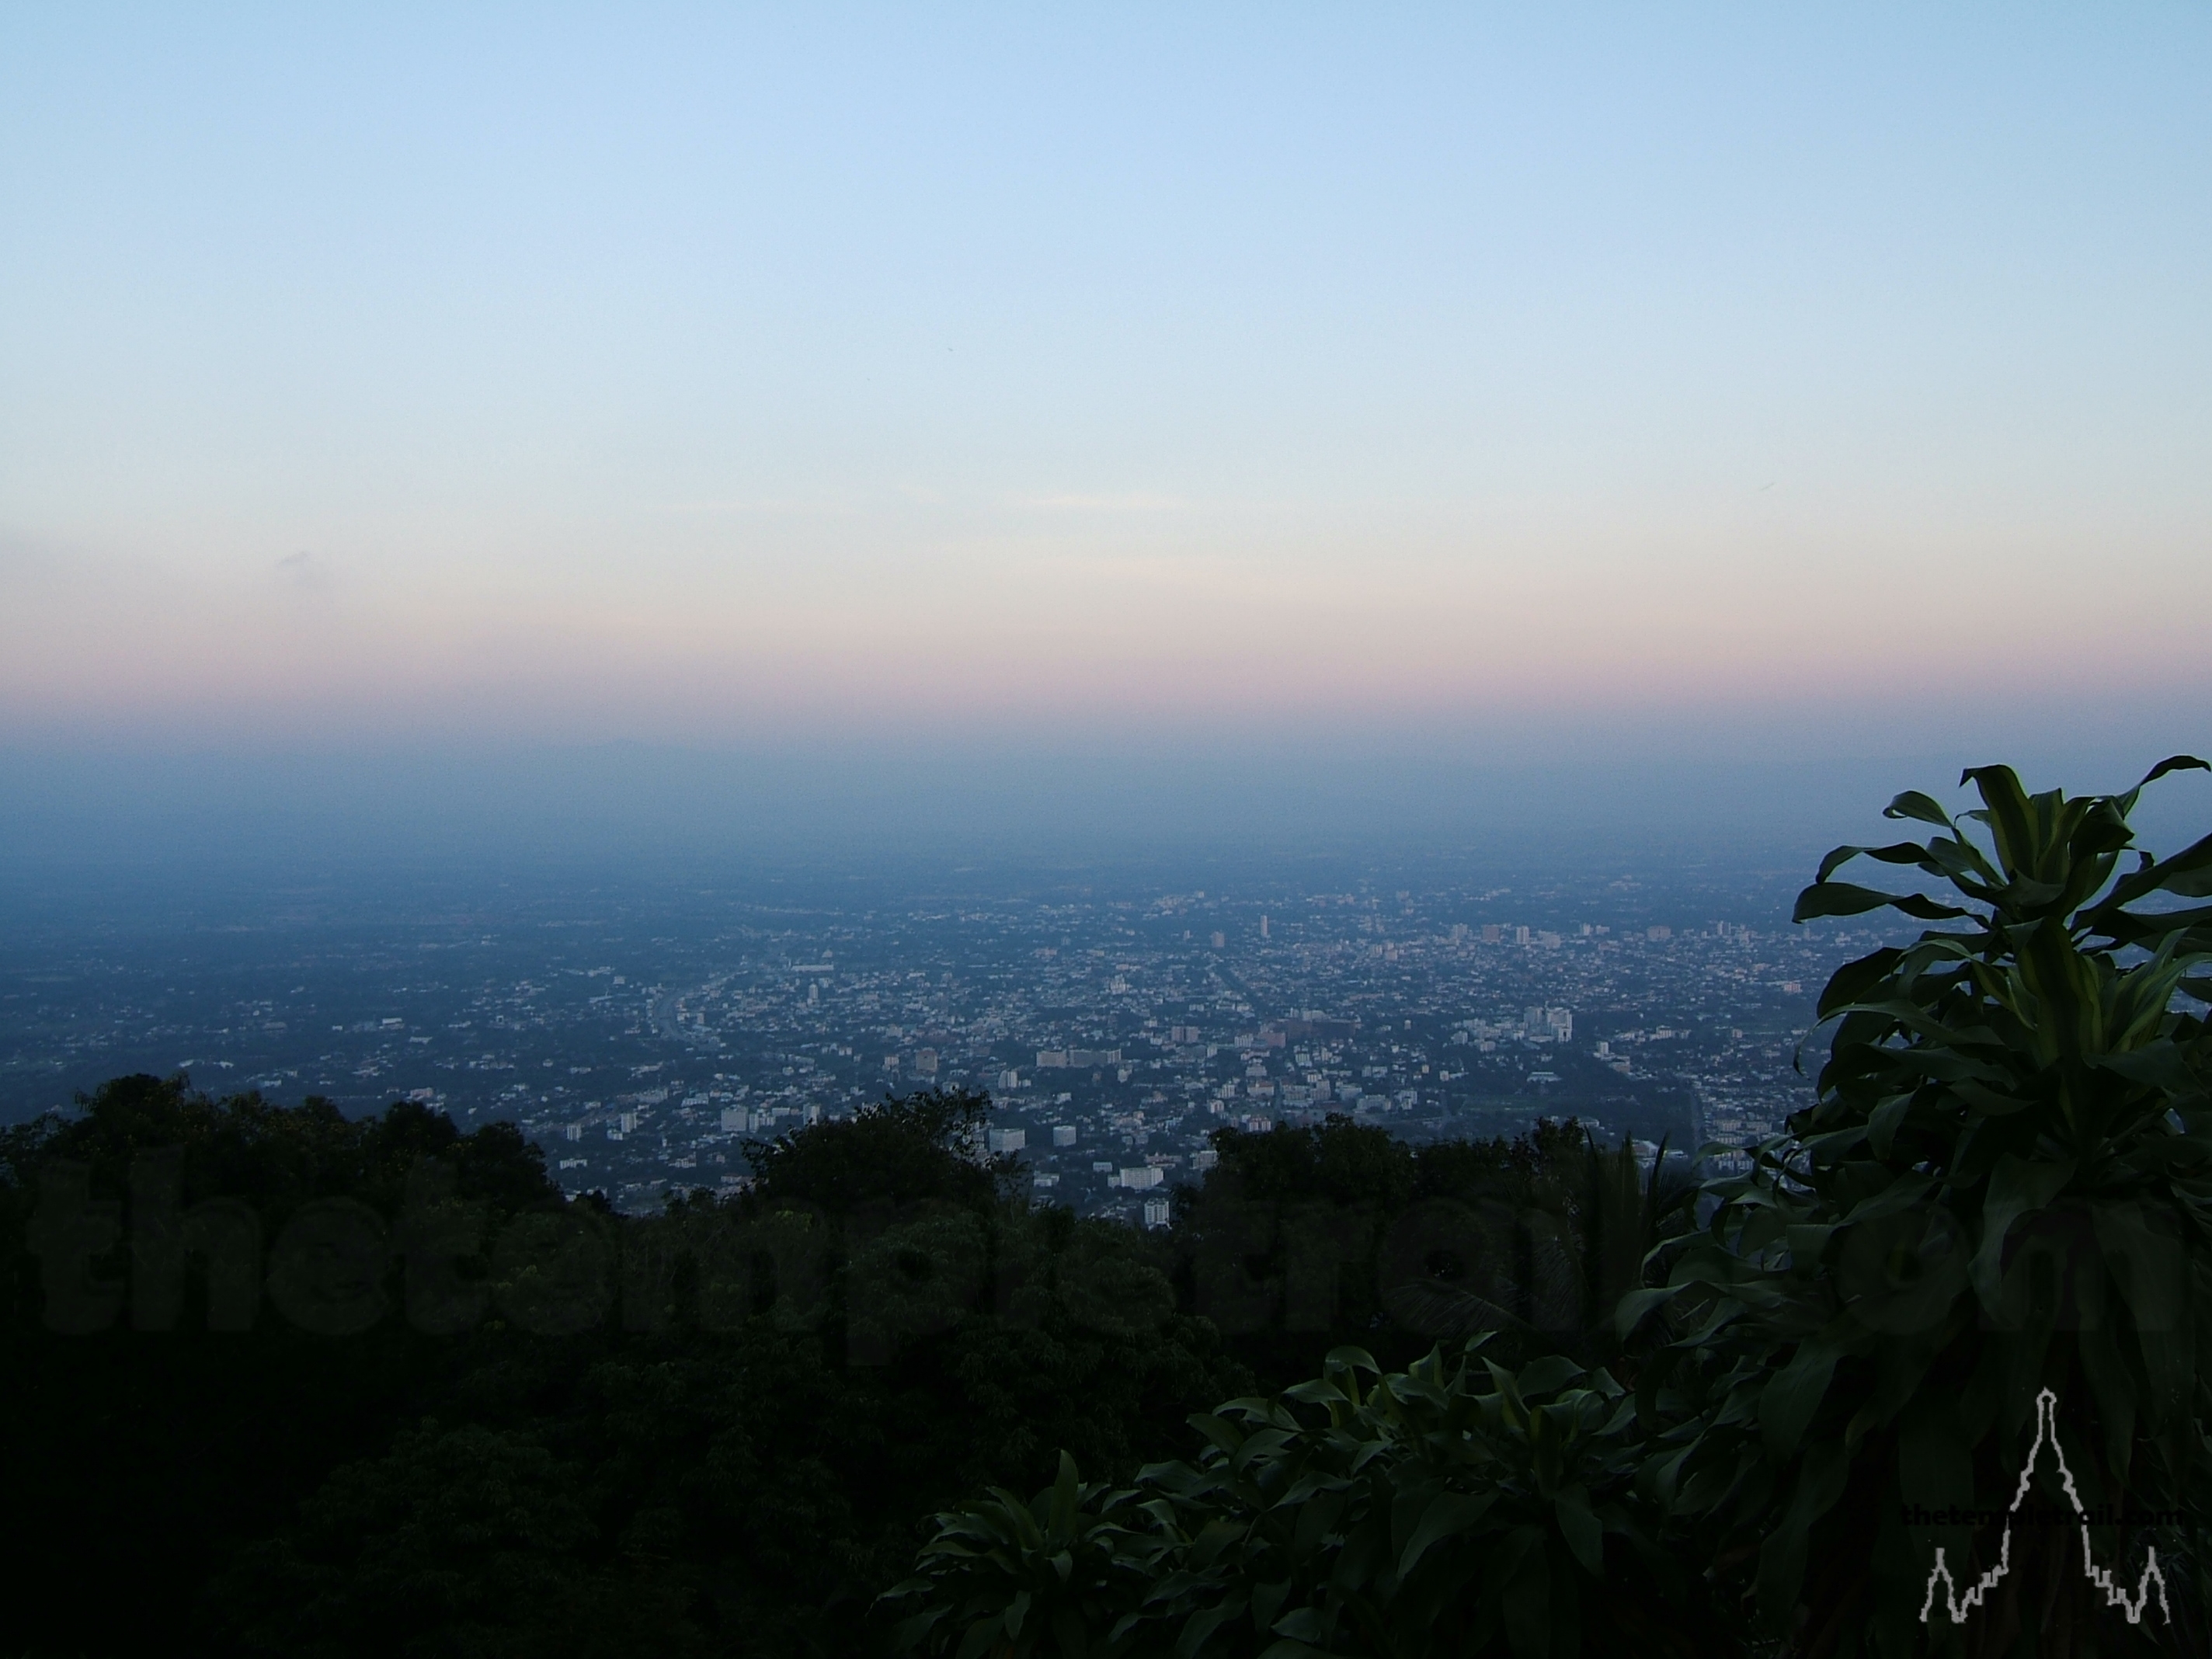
1461 1510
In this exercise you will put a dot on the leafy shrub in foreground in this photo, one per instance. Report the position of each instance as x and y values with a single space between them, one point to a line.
1469 1510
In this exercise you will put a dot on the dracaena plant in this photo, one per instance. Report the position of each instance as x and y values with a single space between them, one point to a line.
2004 1186
1448 1510
1062 1574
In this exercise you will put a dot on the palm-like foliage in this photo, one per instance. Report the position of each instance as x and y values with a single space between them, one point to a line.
1060 1574
2005 1184
1468 1509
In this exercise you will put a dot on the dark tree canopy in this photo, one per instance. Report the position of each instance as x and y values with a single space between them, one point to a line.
494 1493
922 1146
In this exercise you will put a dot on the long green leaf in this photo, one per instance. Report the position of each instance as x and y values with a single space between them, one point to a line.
1787 1406
1446 1517
1526 1600
1579 1525
2017 1187
1844 898
1821 1479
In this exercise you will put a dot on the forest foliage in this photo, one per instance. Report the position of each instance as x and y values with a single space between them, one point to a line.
732 1441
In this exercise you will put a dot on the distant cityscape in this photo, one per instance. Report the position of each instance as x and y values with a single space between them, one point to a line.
642 1038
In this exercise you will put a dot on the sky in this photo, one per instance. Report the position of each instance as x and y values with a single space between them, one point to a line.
1571 386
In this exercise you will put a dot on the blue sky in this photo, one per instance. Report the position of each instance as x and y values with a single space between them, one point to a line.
1699 380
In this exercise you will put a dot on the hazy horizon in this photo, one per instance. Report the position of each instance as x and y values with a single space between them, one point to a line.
78 823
